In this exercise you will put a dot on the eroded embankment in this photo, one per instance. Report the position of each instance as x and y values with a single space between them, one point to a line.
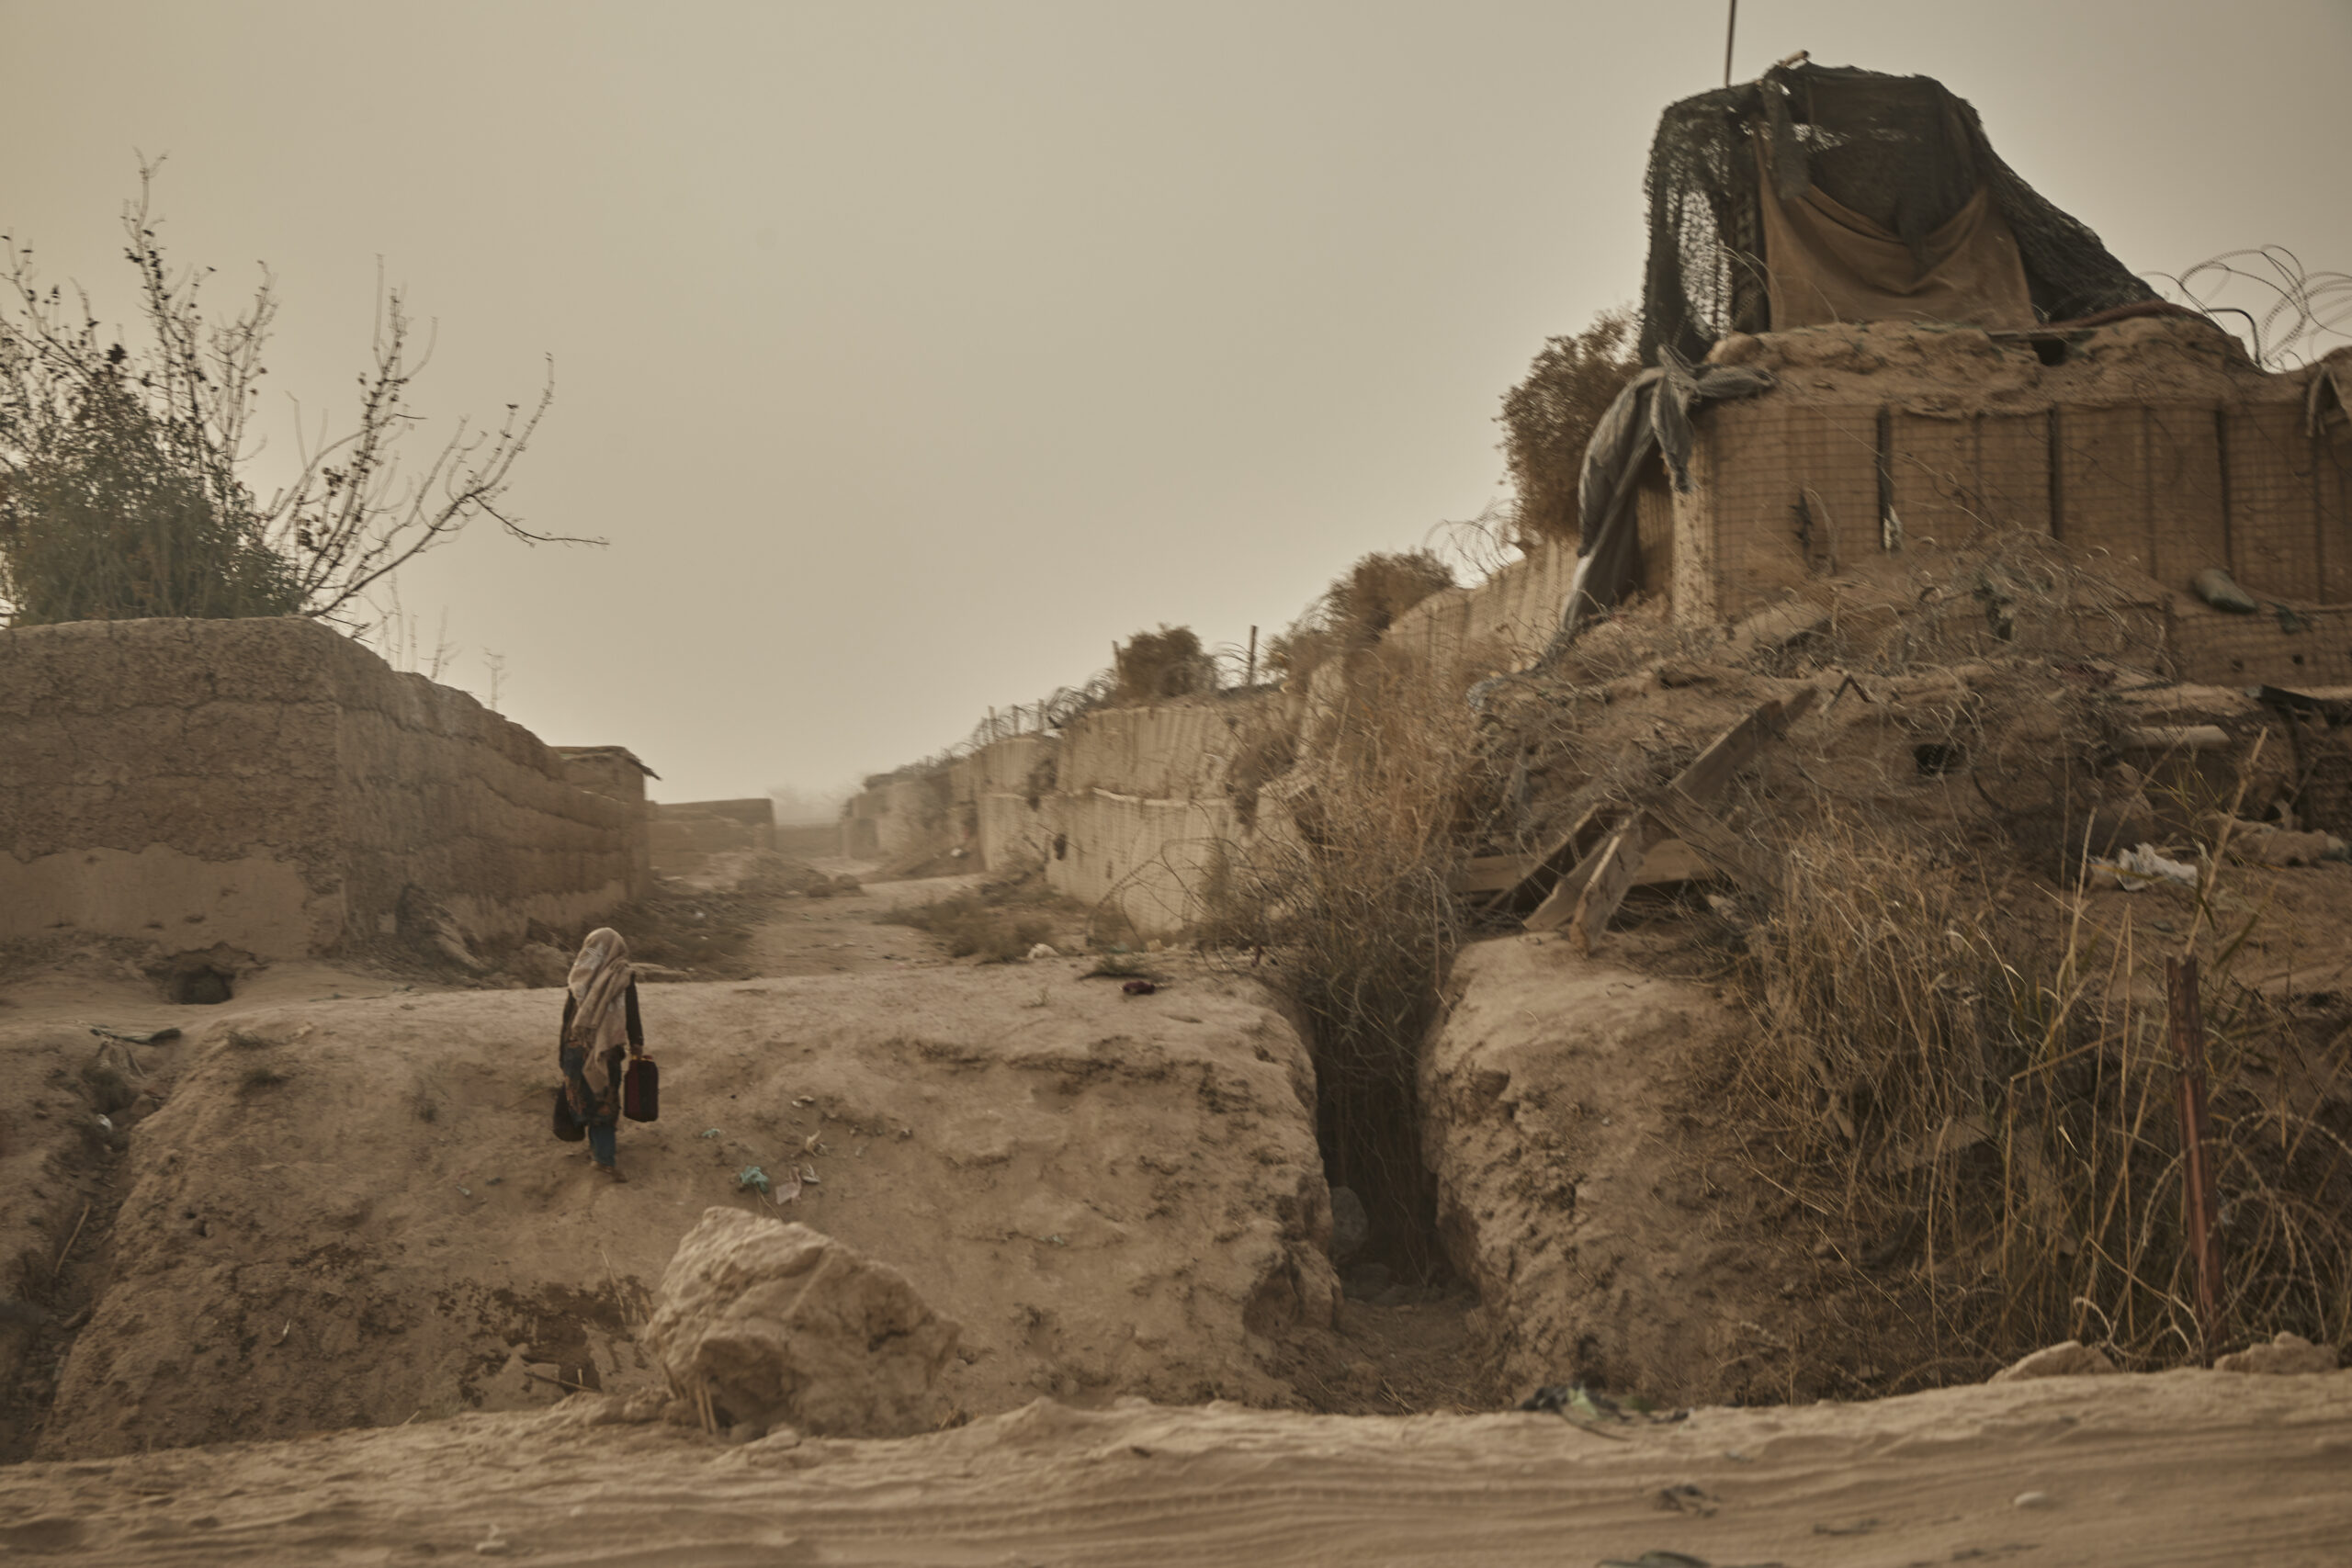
353 1214
1585 1186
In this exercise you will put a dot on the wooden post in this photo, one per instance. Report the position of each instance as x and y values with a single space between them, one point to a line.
2200 1206
1249 682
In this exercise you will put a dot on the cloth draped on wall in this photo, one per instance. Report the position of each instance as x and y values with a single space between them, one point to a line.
1825 262
1652 417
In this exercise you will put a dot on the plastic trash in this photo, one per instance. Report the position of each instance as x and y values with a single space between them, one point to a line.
2142 867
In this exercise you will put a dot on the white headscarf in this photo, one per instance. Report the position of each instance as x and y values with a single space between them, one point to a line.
599 983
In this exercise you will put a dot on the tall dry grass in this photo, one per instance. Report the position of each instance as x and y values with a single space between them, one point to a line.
1982 1123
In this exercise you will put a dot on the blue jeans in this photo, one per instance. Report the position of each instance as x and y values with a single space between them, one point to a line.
601 1116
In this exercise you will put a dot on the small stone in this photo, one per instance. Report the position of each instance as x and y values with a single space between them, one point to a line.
2031 1500
1351 1226
2287 1355
2219 589
2068 1358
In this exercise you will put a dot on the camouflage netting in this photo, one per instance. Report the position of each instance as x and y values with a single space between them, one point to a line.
1901 151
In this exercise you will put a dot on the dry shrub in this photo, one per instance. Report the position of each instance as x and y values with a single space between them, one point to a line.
1153 667
1549 418
1354 612
995 923
1349 895
1984 1127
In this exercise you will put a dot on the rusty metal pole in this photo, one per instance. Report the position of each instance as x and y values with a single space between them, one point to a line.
2200 1206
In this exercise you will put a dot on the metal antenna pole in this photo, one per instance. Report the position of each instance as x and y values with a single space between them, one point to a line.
1731 30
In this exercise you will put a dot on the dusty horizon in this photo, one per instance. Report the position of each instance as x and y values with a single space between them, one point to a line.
910 357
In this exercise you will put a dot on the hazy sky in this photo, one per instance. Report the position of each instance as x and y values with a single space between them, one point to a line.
909 354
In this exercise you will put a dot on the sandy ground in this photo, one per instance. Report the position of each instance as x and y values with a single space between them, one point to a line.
2175 1467
2178 1468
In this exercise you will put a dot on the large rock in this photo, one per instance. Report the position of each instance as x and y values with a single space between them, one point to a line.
782 1326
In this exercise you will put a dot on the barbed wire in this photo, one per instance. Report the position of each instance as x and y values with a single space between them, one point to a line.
2292 315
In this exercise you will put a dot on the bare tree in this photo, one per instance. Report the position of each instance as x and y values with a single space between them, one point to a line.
351 514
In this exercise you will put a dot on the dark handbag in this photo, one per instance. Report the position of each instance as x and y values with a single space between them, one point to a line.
642 1090
567 1125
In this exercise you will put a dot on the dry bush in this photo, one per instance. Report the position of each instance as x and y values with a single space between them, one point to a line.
1152 667
1984 1127
973 928
1357 609
1549 418
1349 895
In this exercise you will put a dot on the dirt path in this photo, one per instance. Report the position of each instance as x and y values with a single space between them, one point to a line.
2179 1468
841 936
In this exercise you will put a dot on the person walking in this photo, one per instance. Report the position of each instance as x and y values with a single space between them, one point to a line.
600 1023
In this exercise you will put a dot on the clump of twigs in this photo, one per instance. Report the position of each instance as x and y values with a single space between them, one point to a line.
1982 1126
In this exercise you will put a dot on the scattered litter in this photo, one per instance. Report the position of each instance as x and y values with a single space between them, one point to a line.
804 1100
751 1176
2143 867
1139 988
493 1544
1044 950
710 1132
812 1144
105 1122
2031 1500
1057 1240
466 1190
809 1177
1574 1399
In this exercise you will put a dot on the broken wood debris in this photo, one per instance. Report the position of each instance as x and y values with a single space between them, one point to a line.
1586 894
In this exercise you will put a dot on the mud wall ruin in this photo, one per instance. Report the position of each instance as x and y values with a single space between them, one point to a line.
2149 446
686 834
275 786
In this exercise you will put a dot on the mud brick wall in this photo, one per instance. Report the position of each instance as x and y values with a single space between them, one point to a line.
1786 490
1743 539
275 786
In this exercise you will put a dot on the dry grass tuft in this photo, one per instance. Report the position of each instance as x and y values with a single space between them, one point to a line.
1985 1130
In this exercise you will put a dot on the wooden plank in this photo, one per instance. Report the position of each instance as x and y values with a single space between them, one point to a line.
1604 892
1559 853
1716 766
1712 840
1614 868
1492 874
1557 904
1670 860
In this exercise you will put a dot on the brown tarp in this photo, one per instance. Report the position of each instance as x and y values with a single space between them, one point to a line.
1825 262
